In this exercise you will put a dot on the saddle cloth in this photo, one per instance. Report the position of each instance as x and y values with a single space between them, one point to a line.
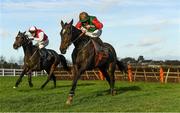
101 52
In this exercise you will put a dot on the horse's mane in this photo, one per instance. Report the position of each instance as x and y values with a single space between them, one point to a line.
85 37
29 41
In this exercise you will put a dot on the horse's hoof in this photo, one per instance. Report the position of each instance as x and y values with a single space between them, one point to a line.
42 87
14 87
114 92
69 100
30 85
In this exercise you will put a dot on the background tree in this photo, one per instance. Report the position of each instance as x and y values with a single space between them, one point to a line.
21 60
2 61
140 59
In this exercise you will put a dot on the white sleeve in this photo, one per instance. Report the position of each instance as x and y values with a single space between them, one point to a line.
29 35
41 37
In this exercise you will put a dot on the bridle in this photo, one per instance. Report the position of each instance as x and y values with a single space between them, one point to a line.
77 37
26 39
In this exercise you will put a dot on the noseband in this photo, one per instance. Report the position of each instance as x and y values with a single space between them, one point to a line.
77 37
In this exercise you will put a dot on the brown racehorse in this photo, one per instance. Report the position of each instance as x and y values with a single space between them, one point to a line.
33 60
85 56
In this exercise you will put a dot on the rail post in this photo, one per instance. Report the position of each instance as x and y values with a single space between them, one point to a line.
129 73
167 74
161 74
3 72
101 75
14 72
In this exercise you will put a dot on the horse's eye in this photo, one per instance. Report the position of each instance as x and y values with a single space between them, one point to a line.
68 32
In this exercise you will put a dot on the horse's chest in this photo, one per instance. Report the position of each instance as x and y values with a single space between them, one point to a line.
84 55
32 64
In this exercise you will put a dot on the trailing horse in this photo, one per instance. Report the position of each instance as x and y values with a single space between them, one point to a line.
87 55
33 60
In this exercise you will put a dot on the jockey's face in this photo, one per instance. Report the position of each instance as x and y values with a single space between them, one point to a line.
33 33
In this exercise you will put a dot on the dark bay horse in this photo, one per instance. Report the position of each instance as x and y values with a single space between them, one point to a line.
33 61
84 56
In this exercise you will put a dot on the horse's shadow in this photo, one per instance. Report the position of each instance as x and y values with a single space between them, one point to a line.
119 90
127 89
81 84
97 94
51 88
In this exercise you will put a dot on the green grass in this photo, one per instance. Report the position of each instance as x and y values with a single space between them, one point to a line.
91 96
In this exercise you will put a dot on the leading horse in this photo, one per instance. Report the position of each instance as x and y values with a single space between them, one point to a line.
85 55
33 60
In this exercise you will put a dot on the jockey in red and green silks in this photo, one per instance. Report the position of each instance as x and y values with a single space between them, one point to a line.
90 25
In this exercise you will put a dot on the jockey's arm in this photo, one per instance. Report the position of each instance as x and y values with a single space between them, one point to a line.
29 35
79 25
97 23
41 37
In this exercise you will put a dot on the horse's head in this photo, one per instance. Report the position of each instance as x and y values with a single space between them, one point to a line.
66 36
20 40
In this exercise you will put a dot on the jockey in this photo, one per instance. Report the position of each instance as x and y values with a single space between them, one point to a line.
90 25
39 36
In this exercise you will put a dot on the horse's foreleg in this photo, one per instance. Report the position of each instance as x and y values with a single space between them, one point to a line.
20 77
76 75
30 78
49 75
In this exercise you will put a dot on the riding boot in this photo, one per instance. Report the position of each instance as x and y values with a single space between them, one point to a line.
43 55
49 55
99 41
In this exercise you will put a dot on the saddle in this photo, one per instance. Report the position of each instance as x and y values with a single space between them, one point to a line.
44 56
101 52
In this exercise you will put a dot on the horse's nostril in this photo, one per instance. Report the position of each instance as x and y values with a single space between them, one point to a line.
14 46
63 51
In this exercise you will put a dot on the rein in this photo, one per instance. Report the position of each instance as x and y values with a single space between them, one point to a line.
78 37
33 54
29 41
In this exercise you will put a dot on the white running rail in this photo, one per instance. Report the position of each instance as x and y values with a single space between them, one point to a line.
17 72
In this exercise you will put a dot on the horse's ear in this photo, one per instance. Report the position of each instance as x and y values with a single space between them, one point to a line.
71 22
19 32
24 32
62 23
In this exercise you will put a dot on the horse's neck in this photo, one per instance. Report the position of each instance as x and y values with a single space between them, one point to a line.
80 41
28 50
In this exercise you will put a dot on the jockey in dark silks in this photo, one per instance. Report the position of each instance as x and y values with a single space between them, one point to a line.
91 26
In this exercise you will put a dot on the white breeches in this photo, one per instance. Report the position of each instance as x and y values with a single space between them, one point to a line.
42 44
96 33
